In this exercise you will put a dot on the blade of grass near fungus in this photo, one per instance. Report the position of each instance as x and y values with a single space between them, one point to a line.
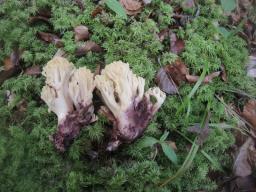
191 155
187 101
206 155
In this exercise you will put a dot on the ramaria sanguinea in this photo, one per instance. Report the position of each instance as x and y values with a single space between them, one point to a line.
68 93
127 106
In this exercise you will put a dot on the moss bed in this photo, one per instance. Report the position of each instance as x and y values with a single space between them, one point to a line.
28 159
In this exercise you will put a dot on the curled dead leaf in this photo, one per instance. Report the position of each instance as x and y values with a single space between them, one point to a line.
169 77
178 71
132 7
86 47
50 38
44 12
38 18
207 79
81 33
13 60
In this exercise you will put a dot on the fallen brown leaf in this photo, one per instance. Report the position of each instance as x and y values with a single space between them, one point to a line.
11 65
34 70
81 33
38 18
249 113
45 12
246 159
13 60
207 79
165 82
178 71
86 47
246 184
169 77
132 7
176 45
50 38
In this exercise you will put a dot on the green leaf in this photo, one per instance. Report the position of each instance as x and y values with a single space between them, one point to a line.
169 152
164 136
115 6
149 141
224 31
185 166
228 5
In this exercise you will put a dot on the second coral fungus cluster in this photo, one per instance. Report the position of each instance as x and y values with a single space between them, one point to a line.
69 92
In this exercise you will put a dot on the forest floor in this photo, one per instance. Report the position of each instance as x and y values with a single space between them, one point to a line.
197 134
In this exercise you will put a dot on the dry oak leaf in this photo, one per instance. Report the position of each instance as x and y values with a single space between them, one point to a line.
132 7
165 82
169 77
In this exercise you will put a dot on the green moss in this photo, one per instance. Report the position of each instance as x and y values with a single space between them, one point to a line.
28 160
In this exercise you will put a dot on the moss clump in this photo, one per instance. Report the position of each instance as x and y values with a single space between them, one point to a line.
28 160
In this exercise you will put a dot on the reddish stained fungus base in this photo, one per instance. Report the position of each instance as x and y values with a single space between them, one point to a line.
129 125
69 129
